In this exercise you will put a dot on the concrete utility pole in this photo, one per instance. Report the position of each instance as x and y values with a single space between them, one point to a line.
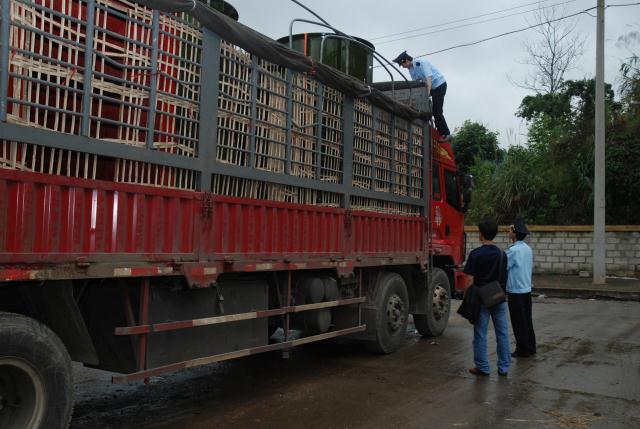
599 241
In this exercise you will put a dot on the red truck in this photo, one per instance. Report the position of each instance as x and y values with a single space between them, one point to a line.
152 219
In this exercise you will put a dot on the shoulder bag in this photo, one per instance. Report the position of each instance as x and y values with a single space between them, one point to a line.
492 293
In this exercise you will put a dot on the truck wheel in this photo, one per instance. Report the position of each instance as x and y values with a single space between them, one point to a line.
438 298
36 386
392 312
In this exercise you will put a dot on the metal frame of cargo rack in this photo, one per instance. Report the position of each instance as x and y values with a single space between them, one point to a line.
203 163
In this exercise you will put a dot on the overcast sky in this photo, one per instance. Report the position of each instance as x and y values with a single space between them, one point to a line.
478 76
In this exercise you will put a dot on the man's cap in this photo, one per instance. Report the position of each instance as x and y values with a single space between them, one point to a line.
519 227
400 58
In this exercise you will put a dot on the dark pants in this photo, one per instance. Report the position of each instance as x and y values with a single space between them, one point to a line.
437 95
522 323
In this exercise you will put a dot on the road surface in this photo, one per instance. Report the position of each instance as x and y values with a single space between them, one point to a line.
586 375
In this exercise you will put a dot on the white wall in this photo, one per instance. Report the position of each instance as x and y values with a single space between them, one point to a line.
568 250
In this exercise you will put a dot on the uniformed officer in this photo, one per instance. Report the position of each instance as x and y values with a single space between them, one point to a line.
422 70
520 265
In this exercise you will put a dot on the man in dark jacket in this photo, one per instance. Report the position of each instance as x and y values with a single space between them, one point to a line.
484 265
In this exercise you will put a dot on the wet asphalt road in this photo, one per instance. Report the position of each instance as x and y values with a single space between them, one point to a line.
586 375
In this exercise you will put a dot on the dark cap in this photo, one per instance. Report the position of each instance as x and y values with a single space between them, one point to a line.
403 56
519 227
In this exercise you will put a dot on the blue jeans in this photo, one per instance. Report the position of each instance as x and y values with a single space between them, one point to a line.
498 314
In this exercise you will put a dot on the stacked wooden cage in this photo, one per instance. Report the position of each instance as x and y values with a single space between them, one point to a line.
48 66
388 156
263 107
106 80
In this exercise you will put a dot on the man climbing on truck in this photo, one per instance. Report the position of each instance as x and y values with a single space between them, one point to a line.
423 70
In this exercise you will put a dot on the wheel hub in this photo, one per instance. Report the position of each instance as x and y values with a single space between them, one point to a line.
22 395
440 302
395 313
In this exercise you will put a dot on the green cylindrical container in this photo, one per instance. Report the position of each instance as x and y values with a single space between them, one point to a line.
347 56
223 7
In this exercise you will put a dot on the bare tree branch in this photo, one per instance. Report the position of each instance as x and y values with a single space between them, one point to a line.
553 54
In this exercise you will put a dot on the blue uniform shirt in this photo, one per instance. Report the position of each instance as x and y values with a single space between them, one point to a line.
519 265
422 69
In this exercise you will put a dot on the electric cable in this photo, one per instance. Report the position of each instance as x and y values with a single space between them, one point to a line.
455 21
583 12
508 32
586 11
473 23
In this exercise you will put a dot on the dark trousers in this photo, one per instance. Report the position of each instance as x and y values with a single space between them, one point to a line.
437 96
522 323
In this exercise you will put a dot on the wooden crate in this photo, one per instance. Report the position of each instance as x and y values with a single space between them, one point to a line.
258 102
47 42
248 188
386 207
63 162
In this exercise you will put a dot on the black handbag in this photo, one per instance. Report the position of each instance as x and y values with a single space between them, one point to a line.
470 306
492 293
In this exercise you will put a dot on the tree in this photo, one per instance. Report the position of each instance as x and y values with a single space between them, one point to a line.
561 130
519 186
474 141
553 54
482 198
623 143
630 74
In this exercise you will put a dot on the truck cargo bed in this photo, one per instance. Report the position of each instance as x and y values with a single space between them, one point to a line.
137 142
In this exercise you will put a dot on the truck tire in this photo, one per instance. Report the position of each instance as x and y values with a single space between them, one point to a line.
36 385
392 313
438 298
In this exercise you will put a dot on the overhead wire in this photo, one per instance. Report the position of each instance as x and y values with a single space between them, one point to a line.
586 12
474 23
582 12
455 21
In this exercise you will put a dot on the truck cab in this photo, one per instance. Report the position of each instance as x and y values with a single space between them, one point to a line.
449 201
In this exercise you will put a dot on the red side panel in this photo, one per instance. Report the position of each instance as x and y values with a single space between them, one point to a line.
387 235
254 227
52 216
51 219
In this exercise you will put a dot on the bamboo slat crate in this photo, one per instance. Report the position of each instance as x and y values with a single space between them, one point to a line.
417 160
62 162
125 89
362 144
47 79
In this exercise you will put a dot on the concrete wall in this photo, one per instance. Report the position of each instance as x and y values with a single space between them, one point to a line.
569 249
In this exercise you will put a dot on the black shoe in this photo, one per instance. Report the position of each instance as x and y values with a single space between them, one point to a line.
476 371
503 374
521 355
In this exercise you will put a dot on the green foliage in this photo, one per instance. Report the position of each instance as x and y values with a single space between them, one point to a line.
551 105
630 86
623 170
550 180
474 141
481 201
